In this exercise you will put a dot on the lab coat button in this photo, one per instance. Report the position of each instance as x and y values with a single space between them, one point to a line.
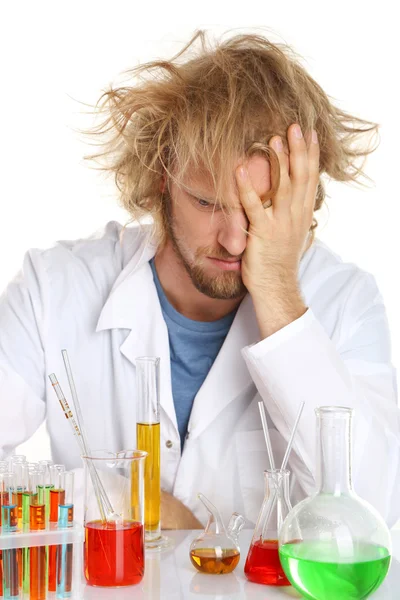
169 444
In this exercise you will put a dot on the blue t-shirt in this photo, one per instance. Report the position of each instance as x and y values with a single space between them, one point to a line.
194 346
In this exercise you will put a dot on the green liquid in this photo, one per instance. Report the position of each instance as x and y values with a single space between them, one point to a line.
331 576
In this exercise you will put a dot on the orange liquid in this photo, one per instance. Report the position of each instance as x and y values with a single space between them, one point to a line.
114 554
207 561
37 556
263 564
37 566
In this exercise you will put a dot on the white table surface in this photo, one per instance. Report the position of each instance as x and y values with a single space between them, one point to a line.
171 576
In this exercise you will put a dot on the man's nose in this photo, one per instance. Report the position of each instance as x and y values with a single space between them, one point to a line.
232 234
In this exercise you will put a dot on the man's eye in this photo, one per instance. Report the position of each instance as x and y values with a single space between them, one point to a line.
203 203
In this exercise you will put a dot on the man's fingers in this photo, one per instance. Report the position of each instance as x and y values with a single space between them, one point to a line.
313 170
251 202
299 167
282 199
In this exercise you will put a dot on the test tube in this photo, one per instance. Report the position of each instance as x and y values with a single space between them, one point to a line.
1 511
16 458
19 486
65 552
57 497
45 485
148 439
29 496
10 524
38 555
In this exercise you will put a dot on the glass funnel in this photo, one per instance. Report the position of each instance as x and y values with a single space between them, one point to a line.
334 544
216 550
262 563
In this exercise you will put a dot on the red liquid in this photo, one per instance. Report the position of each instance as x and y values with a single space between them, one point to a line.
114 553
56 497
263 564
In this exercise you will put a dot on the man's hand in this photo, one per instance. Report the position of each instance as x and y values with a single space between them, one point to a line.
175 515
278 235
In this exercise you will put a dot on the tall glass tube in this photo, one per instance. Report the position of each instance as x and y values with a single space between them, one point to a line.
57 497
29 496
38 555
148 440
9 519
65 552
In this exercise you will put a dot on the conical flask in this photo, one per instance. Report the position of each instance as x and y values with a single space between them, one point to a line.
216 550
334 544
262 563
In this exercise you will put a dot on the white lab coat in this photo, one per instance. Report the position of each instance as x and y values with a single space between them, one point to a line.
96 298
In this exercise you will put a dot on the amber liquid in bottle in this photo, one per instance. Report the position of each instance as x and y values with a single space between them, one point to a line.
215 561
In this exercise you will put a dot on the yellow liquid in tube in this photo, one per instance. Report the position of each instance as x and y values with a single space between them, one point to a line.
148 439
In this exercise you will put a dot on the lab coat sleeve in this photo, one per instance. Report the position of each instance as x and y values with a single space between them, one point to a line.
22 363
301 362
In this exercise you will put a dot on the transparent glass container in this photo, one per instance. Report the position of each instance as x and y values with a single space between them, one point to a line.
216 550
262 563
148 439
334 544
114 542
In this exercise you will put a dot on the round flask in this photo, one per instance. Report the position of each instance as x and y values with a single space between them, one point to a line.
334 544
216 550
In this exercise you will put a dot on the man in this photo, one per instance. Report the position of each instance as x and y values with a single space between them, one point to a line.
228 286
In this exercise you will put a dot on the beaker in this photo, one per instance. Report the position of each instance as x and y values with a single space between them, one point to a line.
262 562
216 550
114 547
334 544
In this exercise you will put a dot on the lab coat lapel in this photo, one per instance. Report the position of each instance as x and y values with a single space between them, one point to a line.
133 304
228 376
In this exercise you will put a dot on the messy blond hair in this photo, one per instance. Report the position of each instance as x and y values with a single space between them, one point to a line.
210 106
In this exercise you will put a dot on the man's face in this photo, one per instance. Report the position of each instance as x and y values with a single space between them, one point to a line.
210 240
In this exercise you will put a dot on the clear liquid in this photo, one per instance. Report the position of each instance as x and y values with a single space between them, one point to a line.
330 577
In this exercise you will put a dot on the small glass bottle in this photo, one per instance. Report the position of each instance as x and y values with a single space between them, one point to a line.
216 550
262 563
334 544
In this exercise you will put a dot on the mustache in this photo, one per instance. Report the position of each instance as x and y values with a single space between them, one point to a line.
219 253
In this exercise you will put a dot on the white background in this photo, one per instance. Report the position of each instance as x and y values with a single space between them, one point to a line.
56 56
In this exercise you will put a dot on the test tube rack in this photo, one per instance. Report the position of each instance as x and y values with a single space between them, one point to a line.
17 541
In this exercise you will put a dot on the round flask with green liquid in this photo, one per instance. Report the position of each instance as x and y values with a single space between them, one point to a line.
334 544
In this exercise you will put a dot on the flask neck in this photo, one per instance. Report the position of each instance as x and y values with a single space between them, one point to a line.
334 450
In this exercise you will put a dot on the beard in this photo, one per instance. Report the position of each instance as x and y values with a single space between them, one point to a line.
227 285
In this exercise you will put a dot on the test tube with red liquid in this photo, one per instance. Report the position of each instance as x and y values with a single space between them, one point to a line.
38 555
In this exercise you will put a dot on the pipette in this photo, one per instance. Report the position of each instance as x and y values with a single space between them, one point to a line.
106 510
